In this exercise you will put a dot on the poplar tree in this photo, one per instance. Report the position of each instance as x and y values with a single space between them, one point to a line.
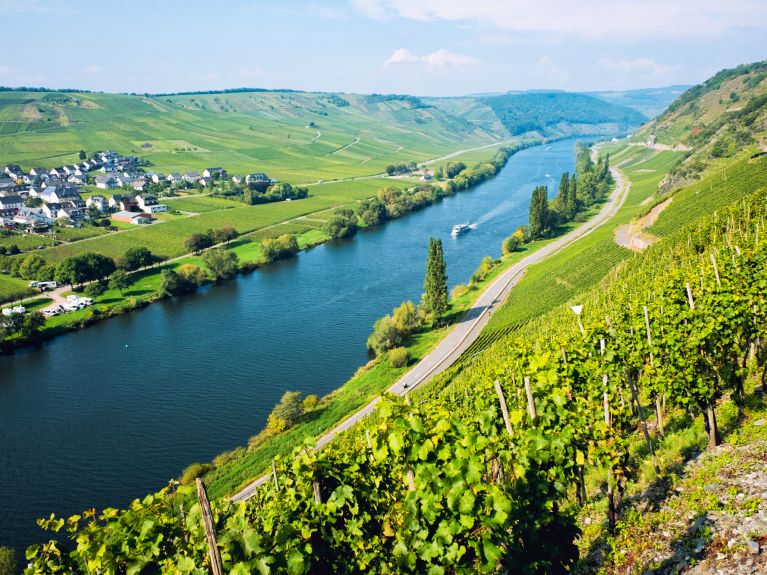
539 211
435 284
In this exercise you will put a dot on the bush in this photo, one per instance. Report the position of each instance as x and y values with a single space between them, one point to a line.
194 471
286 413
510 245
285 246
8 565
227 456
309 403
459 290
95 289
398 357
484 269
342 224
385 336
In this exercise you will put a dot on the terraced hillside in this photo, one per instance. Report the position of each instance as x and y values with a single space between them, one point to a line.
300 137
296 136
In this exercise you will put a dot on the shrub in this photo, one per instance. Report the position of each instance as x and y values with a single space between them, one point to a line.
510 245
459 290
483 270
398 357
8 565
385 336
285 246
194 471
227 456
309 403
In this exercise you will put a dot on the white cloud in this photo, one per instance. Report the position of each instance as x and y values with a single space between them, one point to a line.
93 69
325 12
646 66
589 18
439 59
551 71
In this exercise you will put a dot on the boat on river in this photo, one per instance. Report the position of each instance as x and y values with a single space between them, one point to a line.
459 229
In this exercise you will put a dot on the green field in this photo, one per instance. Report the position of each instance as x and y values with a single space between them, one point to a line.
583 264
243 132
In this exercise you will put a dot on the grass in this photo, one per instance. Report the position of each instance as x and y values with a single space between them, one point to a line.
244 132
583 264
242 465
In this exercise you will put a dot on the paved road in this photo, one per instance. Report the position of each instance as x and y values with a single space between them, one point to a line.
467 330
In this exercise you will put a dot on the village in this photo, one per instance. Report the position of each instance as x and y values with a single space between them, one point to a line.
37 200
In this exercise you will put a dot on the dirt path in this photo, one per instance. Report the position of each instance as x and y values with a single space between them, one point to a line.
632 236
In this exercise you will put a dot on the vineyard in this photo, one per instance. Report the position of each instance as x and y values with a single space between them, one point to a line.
487 472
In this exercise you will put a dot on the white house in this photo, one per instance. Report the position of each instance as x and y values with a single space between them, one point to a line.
156 208
11 203
215 173
146 200
106 182
173 178
99 202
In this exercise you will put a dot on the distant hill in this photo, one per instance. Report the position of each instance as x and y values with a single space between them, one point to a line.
546 111
648 101
291 135
713 120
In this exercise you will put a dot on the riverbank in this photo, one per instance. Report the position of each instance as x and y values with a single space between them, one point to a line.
467 319
191 377
146 288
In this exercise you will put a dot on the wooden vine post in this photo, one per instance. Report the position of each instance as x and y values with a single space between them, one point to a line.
611 511
530 400
216 567
713 435
658 406
274 476
504 408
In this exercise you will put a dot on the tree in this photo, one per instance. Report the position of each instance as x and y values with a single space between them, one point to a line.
510 244
221 263
95 289
285 246
225 235
342 224
192 275
198 242
35 202
385 336
406 318
32 267
120 281
82 155
171 283
435 283
372 212
309 403
31 323
289 410
137 258
539 211
98 266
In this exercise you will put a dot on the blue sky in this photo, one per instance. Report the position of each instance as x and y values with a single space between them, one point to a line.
422 47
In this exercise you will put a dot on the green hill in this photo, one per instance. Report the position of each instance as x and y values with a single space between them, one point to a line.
297 136
647 101
294 136
553 112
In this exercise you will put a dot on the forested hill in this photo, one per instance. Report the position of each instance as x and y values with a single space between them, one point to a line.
539 111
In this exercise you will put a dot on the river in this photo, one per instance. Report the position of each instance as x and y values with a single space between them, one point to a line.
107 414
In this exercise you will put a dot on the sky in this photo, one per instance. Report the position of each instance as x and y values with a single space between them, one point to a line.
420 47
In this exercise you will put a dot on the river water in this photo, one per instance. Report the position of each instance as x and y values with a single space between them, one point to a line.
107 414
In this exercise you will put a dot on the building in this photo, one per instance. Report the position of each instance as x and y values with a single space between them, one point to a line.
106 182
191 177
146 200
215 173
132 217
156 208
99 202
11 203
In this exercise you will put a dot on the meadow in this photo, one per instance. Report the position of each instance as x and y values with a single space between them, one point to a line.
296 137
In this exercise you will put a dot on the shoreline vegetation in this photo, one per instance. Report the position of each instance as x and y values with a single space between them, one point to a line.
145 284
401 339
